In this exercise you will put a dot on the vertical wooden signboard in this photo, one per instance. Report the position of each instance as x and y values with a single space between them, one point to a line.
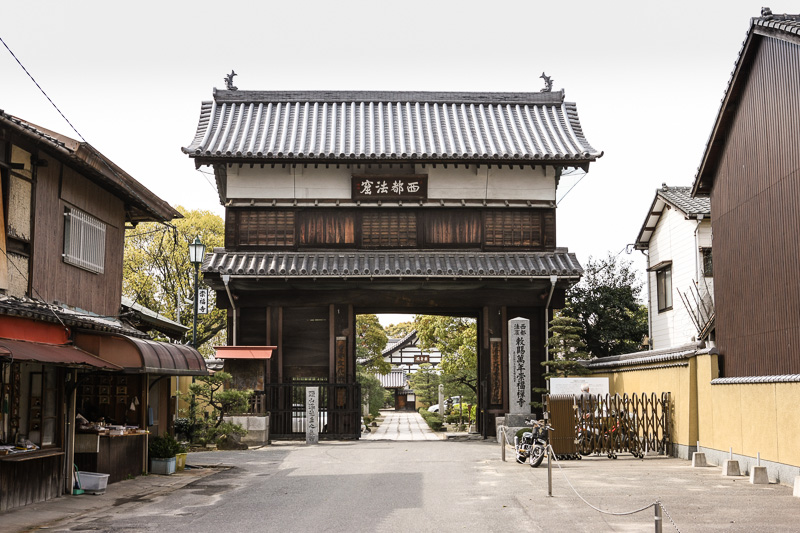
496 380
341 370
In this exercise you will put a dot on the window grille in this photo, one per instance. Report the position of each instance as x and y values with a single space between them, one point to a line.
84 241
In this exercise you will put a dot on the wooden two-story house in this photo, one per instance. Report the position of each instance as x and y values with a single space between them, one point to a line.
676 239
347 202
63 350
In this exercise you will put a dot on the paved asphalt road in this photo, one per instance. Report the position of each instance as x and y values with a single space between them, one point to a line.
432 486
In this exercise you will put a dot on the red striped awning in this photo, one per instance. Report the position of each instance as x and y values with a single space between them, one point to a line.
244 352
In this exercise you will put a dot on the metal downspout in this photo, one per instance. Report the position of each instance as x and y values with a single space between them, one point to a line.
553 280
649 303
226 279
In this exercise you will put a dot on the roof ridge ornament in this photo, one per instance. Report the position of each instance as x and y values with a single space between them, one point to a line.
548 83
229 81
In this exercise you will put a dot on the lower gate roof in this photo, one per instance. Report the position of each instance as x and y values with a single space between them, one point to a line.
393 264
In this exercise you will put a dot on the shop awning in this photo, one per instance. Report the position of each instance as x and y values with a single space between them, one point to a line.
60 354
171 359
145 356
244 352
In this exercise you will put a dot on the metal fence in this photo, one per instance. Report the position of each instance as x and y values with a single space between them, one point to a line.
339 413
608 425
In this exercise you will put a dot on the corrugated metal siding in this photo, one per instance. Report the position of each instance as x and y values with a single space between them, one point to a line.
288 127
756 205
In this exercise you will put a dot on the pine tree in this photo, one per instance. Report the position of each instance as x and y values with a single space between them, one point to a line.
567 348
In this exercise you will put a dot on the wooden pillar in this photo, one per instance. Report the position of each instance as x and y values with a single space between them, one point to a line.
351 345
280 344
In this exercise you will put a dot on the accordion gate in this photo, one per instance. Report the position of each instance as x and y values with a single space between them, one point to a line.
608 425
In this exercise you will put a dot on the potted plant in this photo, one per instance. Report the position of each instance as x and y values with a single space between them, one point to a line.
163 450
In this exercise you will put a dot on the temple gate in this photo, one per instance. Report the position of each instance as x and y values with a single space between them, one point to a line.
341 203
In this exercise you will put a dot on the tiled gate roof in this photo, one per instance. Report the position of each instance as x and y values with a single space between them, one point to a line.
347 125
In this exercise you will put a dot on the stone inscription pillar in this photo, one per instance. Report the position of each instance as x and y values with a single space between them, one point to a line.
519 366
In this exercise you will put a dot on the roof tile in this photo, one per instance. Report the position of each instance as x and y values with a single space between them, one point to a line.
339 125
394 264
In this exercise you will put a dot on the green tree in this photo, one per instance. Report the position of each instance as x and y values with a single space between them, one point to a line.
371 339
399 330
158 275
425 383
211 392
212 396
372 391
457 340
606 303
567 348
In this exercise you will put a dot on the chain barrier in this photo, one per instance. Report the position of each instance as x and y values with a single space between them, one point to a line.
625 513
668 516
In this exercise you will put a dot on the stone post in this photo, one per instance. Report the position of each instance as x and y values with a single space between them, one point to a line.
312 415
441 399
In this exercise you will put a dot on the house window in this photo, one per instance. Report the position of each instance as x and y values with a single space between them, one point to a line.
708 264
84 241
664 288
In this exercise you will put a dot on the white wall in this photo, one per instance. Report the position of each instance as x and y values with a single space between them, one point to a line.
674 240
465 182
404 358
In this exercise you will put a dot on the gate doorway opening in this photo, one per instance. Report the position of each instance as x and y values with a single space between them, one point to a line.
423 353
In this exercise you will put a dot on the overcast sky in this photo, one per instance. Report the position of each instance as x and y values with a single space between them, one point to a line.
647 78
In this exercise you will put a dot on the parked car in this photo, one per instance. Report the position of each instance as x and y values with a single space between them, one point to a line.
449 402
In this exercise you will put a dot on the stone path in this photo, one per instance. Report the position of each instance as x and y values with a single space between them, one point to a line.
402 425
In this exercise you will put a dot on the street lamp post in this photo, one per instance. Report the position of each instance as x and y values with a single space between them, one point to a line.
197 250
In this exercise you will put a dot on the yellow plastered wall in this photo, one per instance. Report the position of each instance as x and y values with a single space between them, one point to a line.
678 379
183 388
185 398
750 418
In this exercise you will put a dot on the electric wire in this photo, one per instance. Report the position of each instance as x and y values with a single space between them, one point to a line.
42 90
25 277
208 180
573 186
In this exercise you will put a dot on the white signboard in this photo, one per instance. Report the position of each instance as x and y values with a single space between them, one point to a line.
202 301
312 415
573 385
519 366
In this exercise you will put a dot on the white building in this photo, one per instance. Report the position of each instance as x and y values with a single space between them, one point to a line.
676 238
404 353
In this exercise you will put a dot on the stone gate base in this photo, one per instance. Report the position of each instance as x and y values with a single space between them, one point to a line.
257 427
